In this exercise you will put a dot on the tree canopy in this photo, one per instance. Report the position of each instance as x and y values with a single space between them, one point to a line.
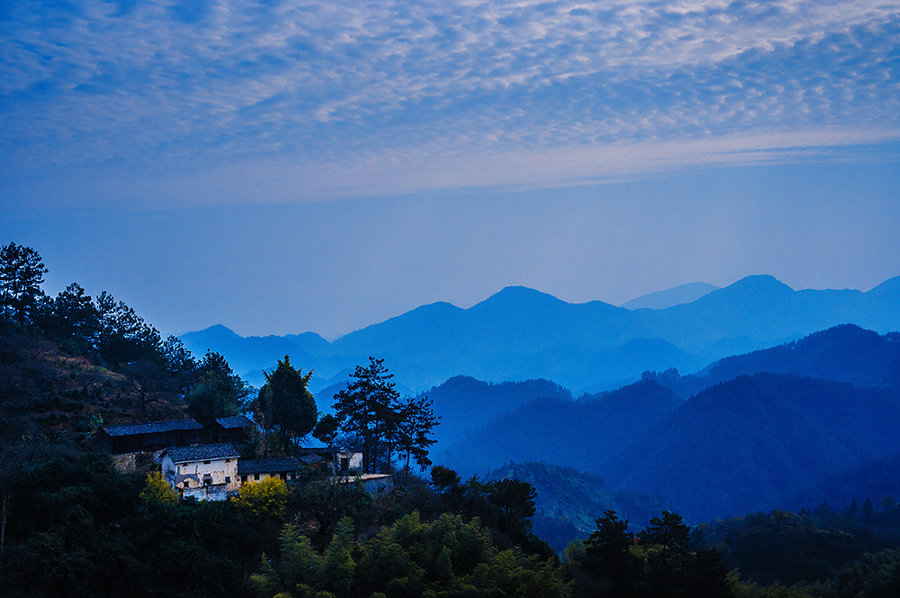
21 275
371 409
285 404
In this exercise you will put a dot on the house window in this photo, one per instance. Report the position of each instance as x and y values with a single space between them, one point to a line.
243 479
284 476
345 463
255 476
227 479
228 460
206 462
207 480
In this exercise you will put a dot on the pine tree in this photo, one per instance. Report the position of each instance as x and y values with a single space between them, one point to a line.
21 275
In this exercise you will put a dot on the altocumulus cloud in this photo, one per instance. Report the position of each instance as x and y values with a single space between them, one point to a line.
319 98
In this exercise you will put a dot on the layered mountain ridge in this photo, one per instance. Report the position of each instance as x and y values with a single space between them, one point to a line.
519 334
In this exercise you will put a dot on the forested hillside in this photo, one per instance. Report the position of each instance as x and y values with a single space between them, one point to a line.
580 434
72 523
846 353
753 443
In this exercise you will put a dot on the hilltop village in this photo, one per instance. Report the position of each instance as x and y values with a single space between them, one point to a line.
211 462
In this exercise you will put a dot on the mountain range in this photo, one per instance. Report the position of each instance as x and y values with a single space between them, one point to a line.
521 334
758 432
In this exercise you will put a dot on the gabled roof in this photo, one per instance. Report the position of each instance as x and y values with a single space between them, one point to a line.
282 465
234 422
202 452
156 427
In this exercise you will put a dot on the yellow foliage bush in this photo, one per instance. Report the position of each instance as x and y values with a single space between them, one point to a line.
267 497
157 490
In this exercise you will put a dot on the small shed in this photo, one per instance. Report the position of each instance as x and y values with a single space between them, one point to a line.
205 471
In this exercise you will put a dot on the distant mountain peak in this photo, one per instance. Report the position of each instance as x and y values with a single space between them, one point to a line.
217 329
515 296
685 293
766 281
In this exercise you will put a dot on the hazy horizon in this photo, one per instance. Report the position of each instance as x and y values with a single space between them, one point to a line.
283 167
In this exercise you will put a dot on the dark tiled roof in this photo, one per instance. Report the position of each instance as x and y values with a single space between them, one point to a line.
202 452
234 422
250 467
153 427
310 459
316 450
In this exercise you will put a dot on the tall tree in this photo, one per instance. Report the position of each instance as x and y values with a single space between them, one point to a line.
293 407
415 422
365 408
217 391
326 430
124 336
72 319
669 533
21 275
611 567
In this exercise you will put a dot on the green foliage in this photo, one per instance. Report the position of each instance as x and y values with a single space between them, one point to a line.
371 409
326 429
124 337
72 319
326 502
445 557
444 479
364 408
669 534
157 490
414 423
284 403
266 498
608 564
217 391
791 547
21 275
76 523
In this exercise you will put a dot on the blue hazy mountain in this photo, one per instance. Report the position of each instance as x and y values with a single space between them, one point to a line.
685 293
520 334
582 434
757 443
845 353
466 404
742 443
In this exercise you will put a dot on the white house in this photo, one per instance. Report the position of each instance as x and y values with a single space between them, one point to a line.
205 472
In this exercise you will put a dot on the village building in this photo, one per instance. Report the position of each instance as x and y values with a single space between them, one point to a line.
331 461
129 443
204 472
256 470
236 429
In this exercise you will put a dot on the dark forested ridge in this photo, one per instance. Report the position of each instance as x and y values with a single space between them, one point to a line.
754 442
846 353
568 501
581 434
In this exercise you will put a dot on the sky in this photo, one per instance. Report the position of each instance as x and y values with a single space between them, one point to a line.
287 166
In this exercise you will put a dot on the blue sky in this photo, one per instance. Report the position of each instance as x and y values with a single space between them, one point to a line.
283 166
